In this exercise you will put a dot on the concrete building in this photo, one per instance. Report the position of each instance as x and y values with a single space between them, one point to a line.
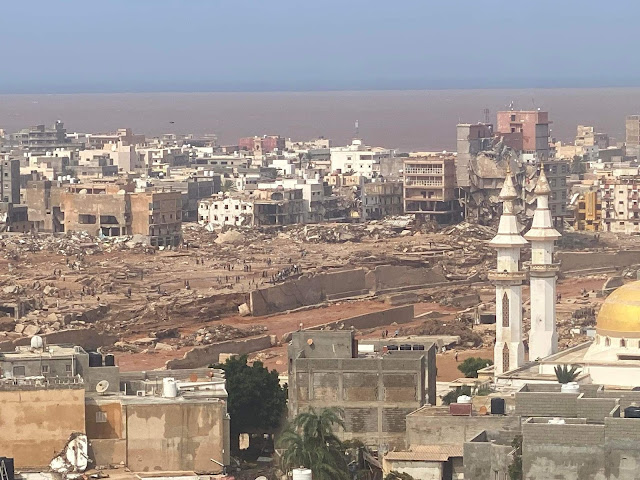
382 199
157 215
259 208
543 272
508 277
525 131
14 218
122 137
557 172
10 181
376 390
620 204
471 139
359 159
262 145
430 188
587 211
588 137
43 200
632 129
193 189
148 421
41 139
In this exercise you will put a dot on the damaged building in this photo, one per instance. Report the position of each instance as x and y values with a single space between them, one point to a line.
149 421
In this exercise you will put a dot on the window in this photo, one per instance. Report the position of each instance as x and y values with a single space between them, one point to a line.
67 368
623 342
505 310
86 219
513 119
101 417
19 371
607 342
44 369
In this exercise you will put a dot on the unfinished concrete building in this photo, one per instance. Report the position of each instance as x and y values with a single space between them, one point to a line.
43 200
430 188
40 138
471 139
157 215
381 199
632 130
376 391
98 209
10 181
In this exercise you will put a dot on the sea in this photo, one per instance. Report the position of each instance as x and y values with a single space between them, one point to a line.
415 120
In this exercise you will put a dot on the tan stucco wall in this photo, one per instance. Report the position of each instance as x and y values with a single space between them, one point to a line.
178 437
35 424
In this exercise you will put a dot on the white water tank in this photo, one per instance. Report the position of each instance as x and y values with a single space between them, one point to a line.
301 474
463 399
571 387
556 421
169 387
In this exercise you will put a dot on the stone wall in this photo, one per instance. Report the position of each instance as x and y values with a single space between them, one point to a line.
206 355
389 277
571 261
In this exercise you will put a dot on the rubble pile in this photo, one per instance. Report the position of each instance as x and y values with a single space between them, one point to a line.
457 327
220 333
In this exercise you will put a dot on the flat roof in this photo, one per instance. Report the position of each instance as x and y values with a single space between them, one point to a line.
50 351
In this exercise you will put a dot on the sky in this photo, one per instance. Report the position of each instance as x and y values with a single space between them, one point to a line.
70 46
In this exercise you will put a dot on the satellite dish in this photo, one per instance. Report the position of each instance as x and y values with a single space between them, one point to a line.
102 386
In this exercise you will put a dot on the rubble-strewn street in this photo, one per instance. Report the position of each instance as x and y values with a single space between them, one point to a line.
158 302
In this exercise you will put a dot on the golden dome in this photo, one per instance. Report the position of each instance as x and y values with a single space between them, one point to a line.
620 312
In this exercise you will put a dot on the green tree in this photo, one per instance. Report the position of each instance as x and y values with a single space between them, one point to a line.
564 374
471 366
256 401
310 442
515 469
453 395
228 186
398 476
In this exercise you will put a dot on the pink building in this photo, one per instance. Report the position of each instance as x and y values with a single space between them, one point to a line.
264 144
525 130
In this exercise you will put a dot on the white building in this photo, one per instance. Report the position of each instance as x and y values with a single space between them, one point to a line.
222 211
359 159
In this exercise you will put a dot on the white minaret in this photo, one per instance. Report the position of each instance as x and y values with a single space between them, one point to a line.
508 352
543 337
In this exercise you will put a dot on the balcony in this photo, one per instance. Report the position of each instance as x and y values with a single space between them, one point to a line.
424 183
495 275
552 268
423 171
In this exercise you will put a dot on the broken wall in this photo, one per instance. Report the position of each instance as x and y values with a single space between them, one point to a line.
206 355
385 277
570 261
307 290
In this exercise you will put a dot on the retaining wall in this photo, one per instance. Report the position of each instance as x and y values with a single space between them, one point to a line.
207 354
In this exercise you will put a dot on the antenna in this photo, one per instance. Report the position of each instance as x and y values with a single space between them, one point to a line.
486 115
357 129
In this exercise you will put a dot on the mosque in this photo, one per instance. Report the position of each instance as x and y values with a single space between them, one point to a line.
611 359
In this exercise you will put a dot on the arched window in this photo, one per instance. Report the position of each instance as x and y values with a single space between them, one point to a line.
505 310
623 342
607 342
597 339
505 358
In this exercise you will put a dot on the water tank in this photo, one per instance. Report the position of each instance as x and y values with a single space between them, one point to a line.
632 412
464 399
497 406
169 388
37 342
301 474
95 359
109 360
405 347
571 387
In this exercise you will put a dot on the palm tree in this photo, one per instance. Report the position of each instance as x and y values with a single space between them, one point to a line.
564 374
310 442
228 186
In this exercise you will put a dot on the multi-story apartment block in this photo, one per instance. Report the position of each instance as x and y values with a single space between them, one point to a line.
632 129
429 187
10 181
381 199
41 139
587 212
359 159
471 139
620 204
557 172
525 131
261 145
